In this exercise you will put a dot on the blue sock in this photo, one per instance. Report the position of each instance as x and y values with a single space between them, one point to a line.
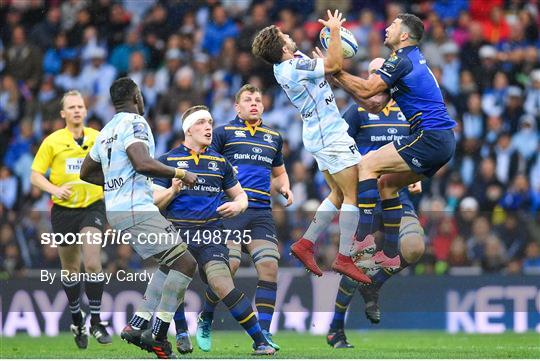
392 211
368 196
211 300
242 311
180 319
347 287
265 301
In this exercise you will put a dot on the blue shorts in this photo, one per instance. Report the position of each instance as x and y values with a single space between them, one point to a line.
205 249
408 211
426 151
257 223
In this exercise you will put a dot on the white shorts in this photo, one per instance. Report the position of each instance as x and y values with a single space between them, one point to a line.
338 156
153 236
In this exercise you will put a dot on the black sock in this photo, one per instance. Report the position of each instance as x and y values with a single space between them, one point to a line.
138 322
160 329
94 291
73 293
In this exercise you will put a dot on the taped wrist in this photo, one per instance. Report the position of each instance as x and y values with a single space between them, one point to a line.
179 173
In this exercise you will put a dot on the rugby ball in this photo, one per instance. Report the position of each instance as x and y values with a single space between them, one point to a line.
348 41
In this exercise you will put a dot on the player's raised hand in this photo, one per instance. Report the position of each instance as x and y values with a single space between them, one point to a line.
317 53
334 20
190 179
229 209
63 192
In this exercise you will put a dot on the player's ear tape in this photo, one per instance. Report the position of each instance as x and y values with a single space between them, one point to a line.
410 227
265 254
168 258
215 269
235 253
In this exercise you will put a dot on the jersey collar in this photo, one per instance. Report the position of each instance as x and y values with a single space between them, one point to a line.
193 154
252 129
406 49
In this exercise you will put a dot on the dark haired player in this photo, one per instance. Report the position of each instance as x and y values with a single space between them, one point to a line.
122 162
324 135
429 146
371 132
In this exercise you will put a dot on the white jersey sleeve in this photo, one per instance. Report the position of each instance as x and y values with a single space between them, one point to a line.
301 69
303 81
94 153
138 132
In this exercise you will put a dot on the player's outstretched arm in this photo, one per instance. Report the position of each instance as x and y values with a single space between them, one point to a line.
373 105
281 183
361 88
333 62
91 171
143 163
238 204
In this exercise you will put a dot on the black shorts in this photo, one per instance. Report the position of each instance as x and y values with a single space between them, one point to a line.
257 223
426 151
71 220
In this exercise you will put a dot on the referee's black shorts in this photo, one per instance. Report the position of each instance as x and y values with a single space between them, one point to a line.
71 220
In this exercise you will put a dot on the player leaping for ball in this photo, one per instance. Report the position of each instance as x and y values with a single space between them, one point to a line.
405 161
371 132
324 135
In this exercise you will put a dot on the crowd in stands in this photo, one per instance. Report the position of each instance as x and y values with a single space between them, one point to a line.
480 211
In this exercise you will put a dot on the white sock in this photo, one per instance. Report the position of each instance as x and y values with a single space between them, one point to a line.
349 218
172 294
324 216
152 296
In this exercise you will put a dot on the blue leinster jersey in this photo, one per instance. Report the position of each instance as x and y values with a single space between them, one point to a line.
196 206
253 151
372 131
414 88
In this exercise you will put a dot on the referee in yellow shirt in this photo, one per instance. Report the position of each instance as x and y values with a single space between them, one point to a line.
78 208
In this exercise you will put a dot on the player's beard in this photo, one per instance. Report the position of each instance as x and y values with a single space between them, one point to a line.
292 47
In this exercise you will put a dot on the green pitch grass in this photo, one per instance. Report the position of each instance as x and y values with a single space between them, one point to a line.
380 344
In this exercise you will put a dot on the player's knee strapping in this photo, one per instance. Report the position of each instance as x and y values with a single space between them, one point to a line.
235 254
214 269
410 228
171 255
265 254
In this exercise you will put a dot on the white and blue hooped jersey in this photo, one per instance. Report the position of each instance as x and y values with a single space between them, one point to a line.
128 194
303 81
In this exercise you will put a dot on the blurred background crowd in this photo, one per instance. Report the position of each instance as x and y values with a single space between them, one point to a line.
480 213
